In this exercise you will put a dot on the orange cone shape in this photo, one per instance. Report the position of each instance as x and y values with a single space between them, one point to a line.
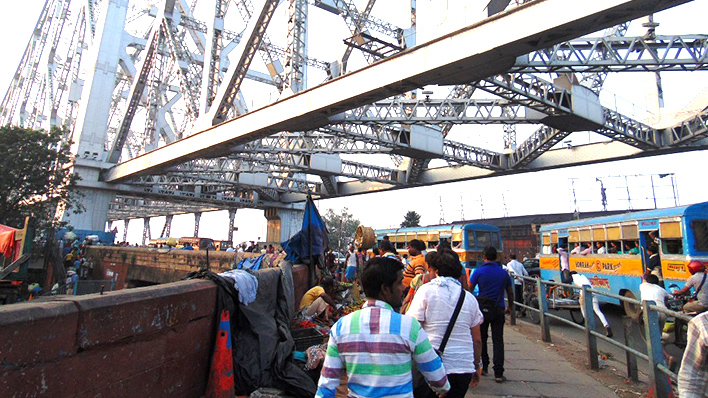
221 374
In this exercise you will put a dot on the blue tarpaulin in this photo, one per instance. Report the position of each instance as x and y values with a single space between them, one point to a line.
298 246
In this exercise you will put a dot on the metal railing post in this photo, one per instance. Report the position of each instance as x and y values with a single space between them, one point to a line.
512 311
543 308
590 326
632 372
658 380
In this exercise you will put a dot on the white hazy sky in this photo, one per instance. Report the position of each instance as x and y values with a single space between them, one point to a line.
530 193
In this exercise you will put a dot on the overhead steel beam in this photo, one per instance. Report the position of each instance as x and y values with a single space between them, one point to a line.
137 88
558 103
230 86
619 54
428 111
472 53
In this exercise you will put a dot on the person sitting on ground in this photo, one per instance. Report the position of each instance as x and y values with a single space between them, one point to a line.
581 280
697 281
318 300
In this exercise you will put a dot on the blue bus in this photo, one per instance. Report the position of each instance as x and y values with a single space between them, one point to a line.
467 240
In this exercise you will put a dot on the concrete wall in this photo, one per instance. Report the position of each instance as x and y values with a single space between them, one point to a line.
148 342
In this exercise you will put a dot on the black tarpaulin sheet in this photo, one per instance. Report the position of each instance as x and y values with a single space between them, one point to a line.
262 344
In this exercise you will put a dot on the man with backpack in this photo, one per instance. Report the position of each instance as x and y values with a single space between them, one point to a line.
493 282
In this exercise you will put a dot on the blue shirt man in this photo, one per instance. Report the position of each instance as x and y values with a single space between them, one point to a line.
493 281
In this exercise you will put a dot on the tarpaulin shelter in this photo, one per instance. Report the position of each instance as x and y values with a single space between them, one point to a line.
310 241
9 247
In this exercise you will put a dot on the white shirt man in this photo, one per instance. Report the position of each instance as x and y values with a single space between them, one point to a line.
565 262
651 292
580 281
515 268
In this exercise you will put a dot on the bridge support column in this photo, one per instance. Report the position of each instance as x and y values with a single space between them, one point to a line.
197 218
95 200
146 230
166 229
283 223
232 217
125 230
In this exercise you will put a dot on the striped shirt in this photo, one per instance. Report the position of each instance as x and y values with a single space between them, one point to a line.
693 375
416 266
375 346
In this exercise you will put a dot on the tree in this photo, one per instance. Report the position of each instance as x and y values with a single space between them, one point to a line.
341 228
36 178
412 219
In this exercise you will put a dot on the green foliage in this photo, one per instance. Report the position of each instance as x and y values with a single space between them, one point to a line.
412 219
341 228
36 177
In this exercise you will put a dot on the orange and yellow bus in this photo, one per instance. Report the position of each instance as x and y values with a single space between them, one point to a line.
681 233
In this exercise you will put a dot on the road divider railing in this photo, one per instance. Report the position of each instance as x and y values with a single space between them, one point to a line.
660 375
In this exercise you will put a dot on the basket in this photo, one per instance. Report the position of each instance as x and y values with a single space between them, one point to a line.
364 237
306 338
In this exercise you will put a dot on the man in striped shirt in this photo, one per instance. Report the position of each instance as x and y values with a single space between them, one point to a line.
693 376
376 344
417 264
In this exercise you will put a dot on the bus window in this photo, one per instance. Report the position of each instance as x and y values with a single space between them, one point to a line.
700 234
484 239
432 244
495 241
671 246
613 247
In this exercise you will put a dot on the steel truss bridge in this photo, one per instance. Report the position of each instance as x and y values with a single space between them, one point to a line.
184 106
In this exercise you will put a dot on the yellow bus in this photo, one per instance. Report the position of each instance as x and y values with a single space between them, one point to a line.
681 234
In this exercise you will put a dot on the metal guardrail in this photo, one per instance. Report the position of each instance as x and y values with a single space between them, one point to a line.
650 315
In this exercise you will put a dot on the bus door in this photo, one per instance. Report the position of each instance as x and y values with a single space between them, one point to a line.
562 241
646 226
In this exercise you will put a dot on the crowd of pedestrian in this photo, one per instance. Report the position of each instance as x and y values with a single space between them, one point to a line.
421 331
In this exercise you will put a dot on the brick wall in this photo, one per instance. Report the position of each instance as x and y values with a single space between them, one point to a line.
148 342
130 266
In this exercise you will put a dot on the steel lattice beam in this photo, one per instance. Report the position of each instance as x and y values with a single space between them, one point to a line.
619 54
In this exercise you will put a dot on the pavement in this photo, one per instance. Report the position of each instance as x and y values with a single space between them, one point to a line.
534 370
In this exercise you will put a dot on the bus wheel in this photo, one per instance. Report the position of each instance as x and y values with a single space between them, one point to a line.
631 310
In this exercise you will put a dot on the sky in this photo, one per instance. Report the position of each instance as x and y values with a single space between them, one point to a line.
628 184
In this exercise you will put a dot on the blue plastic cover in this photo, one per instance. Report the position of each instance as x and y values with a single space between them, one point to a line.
298 246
